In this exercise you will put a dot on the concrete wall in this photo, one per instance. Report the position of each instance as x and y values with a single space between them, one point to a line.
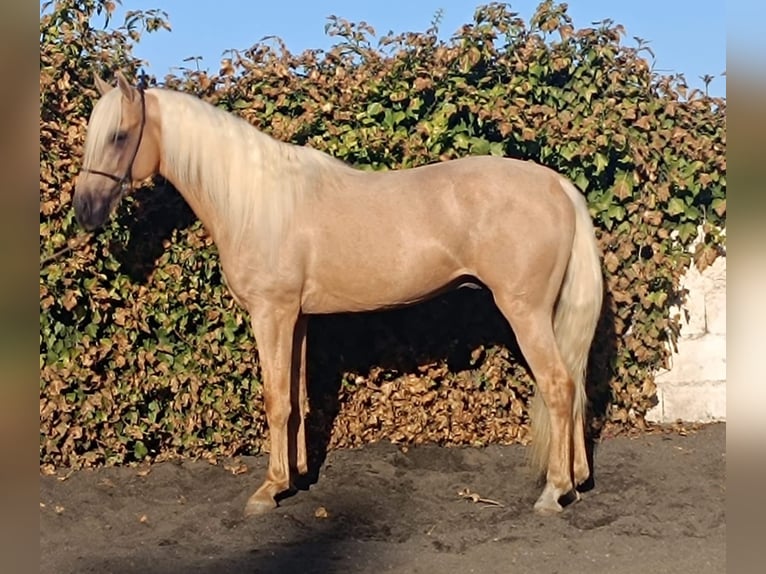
694 389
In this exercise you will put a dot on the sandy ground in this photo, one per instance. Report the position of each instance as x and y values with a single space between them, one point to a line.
657 506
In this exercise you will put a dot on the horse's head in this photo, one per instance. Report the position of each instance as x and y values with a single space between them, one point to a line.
121 147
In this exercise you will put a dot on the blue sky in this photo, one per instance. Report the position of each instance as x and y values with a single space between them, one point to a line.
687 36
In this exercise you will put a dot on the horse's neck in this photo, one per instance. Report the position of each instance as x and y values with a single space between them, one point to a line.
241 184
201 207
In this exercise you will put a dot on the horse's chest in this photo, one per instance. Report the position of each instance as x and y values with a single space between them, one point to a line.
253 285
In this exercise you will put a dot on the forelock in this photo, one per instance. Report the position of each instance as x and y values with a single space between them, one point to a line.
105 119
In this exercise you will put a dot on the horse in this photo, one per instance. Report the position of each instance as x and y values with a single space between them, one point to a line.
300 233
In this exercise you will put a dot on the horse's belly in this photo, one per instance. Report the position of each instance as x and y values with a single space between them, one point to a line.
375 282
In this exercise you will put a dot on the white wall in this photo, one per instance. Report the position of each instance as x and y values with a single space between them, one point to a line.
694 389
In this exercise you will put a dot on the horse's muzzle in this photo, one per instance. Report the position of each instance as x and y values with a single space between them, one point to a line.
90 211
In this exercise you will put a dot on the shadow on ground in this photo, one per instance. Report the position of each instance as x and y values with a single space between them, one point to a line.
658 506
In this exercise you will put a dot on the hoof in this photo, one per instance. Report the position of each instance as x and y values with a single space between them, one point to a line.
586 485
547 508
259 505
570 497
550 503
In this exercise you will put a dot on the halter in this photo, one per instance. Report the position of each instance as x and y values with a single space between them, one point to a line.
120 182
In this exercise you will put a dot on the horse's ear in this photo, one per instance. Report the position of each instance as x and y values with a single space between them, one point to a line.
128 91
101 85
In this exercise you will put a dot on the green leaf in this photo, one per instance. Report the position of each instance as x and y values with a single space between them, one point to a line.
568 151
719 206
623 186
582 182
601 162
686 231
479 146
374 109
497 149
139 450
676 206
691 212
616 212
461 141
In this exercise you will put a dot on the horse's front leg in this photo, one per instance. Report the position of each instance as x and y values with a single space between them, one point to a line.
274 328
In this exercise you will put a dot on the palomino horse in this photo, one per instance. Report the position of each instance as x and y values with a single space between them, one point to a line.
301 233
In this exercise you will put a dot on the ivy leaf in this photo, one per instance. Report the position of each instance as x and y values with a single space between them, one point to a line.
601 162
719 206
676 206
623 186
374 109
139 450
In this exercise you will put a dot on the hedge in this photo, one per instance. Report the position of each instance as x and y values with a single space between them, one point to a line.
143 353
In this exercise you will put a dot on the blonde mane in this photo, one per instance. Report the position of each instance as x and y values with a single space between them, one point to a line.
105 120
252 181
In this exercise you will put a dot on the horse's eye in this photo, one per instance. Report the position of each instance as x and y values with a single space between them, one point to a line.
120 137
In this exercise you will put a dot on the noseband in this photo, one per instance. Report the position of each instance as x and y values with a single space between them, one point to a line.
121 182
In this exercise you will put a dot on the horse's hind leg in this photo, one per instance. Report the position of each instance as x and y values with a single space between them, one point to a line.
533 328
300 399
581 466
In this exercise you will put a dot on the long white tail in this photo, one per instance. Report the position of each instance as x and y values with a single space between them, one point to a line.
574 323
